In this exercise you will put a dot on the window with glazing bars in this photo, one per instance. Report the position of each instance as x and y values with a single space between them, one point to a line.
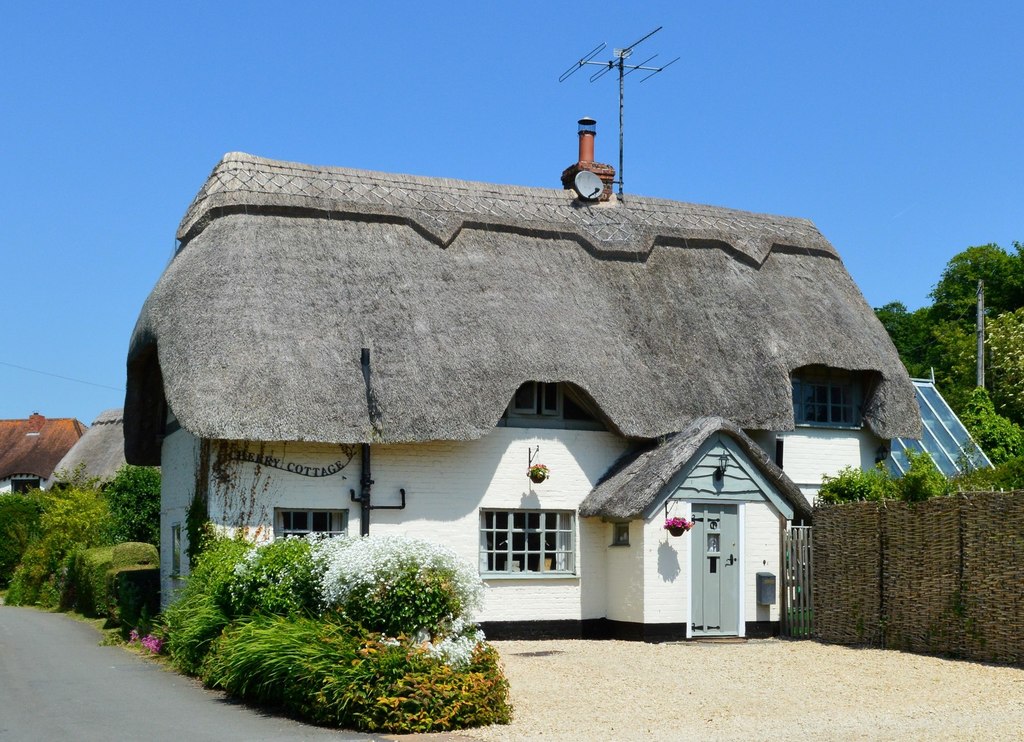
305 522
527 541
824 402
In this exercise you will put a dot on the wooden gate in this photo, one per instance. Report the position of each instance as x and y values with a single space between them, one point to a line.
797 582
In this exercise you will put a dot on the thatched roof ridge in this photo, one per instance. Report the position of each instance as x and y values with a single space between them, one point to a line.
661 312
439 208
635 482
101 449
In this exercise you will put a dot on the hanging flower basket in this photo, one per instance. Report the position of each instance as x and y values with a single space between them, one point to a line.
538 473
678 526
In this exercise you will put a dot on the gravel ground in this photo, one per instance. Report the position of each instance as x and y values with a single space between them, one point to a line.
758 690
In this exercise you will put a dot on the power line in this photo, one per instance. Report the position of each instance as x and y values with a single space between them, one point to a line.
58 376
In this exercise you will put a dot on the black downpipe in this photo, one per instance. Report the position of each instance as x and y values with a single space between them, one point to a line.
365 480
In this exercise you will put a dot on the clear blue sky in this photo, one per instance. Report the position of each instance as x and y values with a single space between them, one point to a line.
894 126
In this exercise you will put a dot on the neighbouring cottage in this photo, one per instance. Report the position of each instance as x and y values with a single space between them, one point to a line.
100 452
31 449
343 351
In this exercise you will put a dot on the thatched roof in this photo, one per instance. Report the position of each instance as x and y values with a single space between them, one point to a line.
100 450
661 311
634 484
36 444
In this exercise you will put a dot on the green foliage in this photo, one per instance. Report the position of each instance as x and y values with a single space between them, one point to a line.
852 485
1005 376
73 518
955 295
277 578
1008 475
19 524
203 608
336 674
999 437
249 621
911 333
199 530
922 480
88 586
133 496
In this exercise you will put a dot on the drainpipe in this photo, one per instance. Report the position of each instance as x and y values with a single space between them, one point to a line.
365 481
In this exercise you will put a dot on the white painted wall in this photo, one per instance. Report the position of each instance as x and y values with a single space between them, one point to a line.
624 596
666 567
446 484
811 452
762 536
179 457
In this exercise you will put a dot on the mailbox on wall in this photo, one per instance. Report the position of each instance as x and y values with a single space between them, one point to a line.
765 588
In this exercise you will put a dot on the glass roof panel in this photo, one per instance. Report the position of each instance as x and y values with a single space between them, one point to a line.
944 437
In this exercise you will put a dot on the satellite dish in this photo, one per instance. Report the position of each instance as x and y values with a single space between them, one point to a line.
587 185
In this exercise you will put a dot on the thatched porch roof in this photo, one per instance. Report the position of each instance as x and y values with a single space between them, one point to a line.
663 312
637 480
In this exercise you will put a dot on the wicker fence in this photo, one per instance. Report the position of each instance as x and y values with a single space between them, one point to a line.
943 576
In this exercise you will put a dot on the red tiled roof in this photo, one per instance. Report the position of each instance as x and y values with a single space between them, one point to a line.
34 446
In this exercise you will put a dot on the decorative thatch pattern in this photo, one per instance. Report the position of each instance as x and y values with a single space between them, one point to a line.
634 484
100 450
662 312
942 576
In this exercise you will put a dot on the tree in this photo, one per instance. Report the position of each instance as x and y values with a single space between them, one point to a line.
1000 438
955 295
1005 338
134 500
911 333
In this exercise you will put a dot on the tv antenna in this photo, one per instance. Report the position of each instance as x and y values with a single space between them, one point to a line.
619 63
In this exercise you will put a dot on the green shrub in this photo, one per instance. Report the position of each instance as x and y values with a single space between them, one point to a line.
133 496
336 674
203 609
19 524
137 598
922 479
851 485
73 518
87 588
278 578
399 586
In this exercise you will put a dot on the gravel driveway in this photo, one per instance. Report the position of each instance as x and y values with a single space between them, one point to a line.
759 690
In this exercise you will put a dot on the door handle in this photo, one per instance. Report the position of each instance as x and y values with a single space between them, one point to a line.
732 560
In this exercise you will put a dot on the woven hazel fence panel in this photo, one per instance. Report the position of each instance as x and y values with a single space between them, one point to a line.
847 567
947 575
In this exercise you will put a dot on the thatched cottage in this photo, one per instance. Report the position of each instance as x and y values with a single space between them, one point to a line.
347 351
100 452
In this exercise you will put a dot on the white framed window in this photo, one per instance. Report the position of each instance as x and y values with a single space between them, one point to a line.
550 405
527 542
305 522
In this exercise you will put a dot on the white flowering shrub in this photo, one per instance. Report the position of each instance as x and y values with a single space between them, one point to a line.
276 578
402 587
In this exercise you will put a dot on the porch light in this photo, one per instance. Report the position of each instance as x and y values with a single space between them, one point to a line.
723 462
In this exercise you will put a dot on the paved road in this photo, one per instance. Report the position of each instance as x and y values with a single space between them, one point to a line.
57 683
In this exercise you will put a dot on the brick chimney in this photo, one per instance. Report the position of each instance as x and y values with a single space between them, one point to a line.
587 132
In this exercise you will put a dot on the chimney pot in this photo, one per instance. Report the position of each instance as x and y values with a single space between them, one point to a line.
587 132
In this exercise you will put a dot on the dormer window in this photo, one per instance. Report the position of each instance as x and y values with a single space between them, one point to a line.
826 397
540 404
